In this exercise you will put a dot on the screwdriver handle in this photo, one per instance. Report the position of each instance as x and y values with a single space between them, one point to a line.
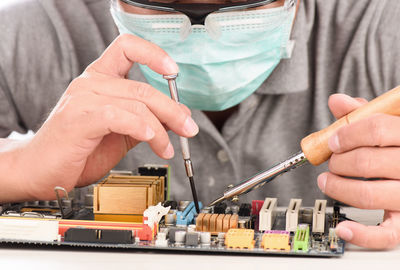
315 146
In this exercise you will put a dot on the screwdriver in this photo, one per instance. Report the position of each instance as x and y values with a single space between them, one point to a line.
314 147
173 89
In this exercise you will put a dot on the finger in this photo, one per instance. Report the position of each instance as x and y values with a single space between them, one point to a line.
110 119
376 237
367 162
362 101
160 143
382 194
164 108
341 104
185 109
377 130
126 49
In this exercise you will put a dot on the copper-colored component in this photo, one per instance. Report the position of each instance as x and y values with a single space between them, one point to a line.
206 223
220 223
233 222
213 223
199 222
124 198
225 225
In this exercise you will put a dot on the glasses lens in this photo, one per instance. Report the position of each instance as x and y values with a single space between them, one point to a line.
258 23
164 29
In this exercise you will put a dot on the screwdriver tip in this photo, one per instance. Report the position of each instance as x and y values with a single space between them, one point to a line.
194 193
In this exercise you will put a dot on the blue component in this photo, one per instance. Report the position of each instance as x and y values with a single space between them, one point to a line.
187 216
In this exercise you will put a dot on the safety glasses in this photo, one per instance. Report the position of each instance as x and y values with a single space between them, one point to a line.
228 25
197 12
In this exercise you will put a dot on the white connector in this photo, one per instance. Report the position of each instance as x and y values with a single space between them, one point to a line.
318 224
292 215
267 214
161 240
28 229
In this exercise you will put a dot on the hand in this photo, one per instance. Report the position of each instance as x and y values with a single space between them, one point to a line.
369 148
100 117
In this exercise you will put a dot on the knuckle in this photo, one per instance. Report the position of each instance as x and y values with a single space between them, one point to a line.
123 39
393 239
143 91
363 162
377 127
108 113
78 85
139 108
366 199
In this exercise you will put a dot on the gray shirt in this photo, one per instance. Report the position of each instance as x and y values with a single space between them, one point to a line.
343 46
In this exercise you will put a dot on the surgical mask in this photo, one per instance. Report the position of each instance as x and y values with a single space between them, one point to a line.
222 62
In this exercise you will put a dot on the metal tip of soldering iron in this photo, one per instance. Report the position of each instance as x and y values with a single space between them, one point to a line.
217 201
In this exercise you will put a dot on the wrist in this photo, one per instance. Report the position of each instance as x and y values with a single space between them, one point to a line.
11 171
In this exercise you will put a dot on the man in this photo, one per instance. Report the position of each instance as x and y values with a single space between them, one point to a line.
340 47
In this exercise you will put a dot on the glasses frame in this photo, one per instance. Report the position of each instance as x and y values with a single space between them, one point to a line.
197 12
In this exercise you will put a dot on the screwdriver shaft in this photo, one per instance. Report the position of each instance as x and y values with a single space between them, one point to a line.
184 142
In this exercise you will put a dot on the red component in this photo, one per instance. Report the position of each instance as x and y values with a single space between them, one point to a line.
145 234
256 207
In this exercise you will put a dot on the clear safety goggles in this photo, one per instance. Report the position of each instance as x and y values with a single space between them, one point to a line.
197 12
176 21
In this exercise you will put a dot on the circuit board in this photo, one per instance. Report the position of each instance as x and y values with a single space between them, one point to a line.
256 228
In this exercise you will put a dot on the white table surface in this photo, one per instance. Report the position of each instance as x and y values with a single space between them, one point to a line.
56 258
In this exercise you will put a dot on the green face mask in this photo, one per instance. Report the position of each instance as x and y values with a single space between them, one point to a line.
222 62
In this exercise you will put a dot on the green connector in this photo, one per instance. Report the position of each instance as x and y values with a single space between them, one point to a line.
301 238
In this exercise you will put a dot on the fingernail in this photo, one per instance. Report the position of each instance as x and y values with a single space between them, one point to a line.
170 65
322 181
190 127
149 133
333 143
169 152
345 233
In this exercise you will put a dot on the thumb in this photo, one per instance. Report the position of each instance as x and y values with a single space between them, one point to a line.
341 104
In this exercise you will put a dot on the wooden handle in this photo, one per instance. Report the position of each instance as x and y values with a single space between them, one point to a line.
315 146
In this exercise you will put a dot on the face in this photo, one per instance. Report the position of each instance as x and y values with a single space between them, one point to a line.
138 10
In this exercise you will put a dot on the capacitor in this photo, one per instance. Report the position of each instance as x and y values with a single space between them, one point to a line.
170 219
242 224
205 238
89 201
180 237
